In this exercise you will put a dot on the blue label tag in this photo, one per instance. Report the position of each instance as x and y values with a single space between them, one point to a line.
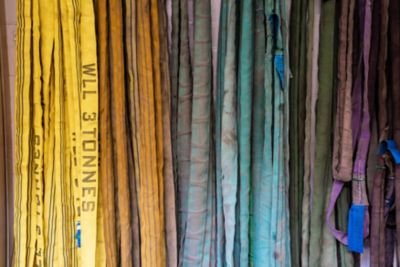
78 234
356 228
280 69
391 146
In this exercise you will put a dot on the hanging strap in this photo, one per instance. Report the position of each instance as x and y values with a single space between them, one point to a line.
359 191
341 236
89 136
377 215
394 45
358 216
377 239
342 149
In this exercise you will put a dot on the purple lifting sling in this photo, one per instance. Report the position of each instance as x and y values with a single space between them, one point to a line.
352 130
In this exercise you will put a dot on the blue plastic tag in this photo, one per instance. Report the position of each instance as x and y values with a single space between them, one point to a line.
356 228
391 146
280 69
78 234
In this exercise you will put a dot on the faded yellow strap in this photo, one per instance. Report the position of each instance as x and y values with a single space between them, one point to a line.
49 168
36 229
100 243
60 257
46 48
69 126
22 130
89 135
73 91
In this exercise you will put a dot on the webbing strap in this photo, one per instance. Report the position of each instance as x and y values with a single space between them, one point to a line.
229 146
151 231
377 216
340 235
361 141
89 135
342 145
107 179
37 169
394 45
22 119
134 114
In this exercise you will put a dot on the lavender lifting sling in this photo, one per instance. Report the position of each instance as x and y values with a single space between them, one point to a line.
352 130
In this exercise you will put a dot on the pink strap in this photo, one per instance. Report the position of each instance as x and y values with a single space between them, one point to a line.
339 235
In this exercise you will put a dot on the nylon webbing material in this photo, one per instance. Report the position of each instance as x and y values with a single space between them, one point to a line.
107 179
169 185
394 10
68 126
377 211
73 60
22 131
150 183
229 146
59 254
89 134
195 236
37 168
118 111
342 144
134 167
361 126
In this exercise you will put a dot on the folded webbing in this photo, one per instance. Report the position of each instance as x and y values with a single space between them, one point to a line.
195 233
134 167
22 131
184 118
33 173
394 47
361 142
158 125
169 186
229 146
88 99
377 215
56 230
258 114
342 144
377 238
69 127
148 185
37 166
107 179
245 108
342 157
73 109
